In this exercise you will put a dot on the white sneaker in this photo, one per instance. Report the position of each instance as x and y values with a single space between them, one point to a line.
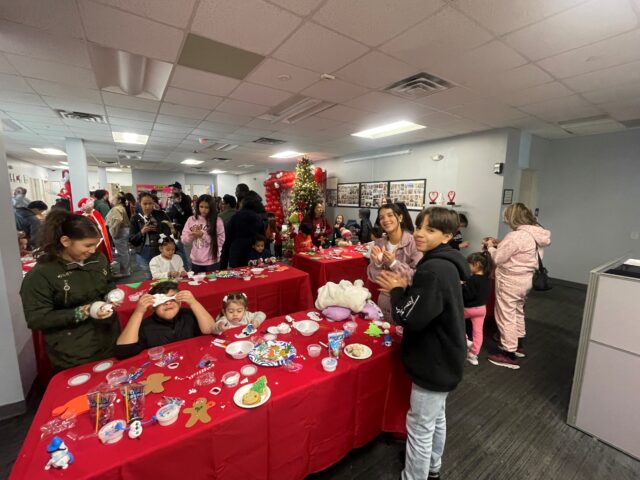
469 343
472 359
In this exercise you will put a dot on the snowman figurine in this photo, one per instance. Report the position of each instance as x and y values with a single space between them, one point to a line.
135 429
60 456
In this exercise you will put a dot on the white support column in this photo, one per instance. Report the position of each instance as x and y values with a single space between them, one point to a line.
77 157
102 177
17 359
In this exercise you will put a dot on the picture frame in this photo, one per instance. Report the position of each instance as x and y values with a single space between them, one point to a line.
373 194
507 196
348 194
412 192
332 197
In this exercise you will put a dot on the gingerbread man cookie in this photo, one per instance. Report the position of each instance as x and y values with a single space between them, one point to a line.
199 412
154 383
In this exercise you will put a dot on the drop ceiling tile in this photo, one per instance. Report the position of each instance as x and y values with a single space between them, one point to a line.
126 101
23 108
228 118
60 90
41 116
437 39
207 129
622 111
252 93
14 83
335 91
536 94
342 113
191 99
183 111
130 114
551 132
609 77
373 21
614 51
565 108
5 66
118 124
518 78
269 70
56 72
253 25
451 98
124 31
487 111
319 49
53 16
628 92
301 7
584 24
503 16
241 108
22 40
203 82
74 105
321 124
376 70
464 125
438 120
378 102
177 121
167 137
164 11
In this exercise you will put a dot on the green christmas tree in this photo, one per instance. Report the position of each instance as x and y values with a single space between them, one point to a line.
373 330
305 188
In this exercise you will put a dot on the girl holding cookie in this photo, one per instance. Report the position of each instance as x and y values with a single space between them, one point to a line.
234 313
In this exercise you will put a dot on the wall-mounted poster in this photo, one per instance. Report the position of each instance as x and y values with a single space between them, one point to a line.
348 194
411 192
373 194
332 197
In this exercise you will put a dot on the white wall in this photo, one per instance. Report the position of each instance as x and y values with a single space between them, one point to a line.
226 184
588 197
124 178
153 177
467 168
20 168
254 181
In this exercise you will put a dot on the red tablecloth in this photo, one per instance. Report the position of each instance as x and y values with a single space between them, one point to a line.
311 421
322 270
278 294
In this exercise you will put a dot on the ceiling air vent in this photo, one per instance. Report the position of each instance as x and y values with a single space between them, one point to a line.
129 154
220 146
269 141
85 117
220 159
418 86
295 109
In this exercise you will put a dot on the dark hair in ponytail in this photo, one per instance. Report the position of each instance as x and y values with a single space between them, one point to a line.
60 223
483 259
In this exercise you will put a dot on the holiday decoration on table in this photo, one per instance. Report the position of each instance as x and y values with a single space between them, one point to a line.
154 383
75 406
198 412
373 330
60 455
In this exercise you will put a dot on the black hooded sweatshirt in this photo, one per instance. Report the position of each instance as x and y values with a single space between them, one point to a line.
431 311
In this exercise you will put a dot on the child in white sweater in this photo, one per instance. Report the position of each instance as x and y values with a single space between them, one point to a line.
234 313
167 264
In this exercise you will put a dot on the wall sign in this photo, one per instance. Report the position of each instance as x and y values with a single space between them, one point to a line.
507 196
411 192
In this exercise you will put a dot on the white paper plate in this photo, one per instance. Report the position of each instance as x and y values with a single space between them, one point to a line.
102 366
368 352
237 397
79 379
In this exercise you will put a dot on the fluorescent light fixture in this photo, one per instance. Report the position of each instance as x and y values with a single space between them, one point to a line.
286 154
64 163
128 137
113 169
60 167
394 128
191 161
377 155
49 151
217 171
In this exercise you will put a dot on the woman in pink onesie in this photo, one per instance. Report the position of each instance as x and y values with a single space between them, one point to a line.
516 258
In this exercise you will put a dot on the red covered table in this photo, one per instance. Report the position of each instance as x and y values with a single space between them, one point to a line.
312 419
281 292
351 266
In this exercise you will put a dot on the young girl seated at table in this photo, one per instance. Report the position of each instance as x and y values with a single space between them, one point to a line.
303 241
234 313
345 238
168 322
167 264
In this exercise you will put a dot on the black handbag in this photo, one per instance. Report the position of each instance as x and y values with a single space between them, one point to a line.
540 276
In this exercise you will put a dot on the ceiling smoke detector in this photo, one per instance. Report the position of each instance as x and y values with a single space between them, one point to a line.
418 86
82 116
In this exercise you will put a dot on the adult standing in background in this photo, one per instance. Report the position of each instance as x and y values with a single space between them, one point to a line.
20 198
29 219
241 190
180 210
101 203
322 228
228 209
241 231
144 231
117 221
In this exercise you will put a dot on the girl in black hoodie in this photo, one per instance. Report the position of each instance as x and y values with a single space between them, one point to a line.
434 343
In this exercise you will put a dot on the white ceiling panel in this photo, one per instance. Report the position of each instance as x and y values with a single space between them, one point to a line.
164 11
176 129
335 91
24 108
321 123
437 39
536 94
178 121
249 92
184 111
503 16
241 108
130 114
292 78
378 102
608 53
203 82
376 70
629 92
14 83
343 114
31 42
584 24
133 103
319 49
191 99
60 90
622 111
610 77
438 120
559 109
377 20
47 115
53 16
451 98
228 118
253 25
74 105
206 129
124 31
518 78
487 111
6 67
118 124
301 7
52 71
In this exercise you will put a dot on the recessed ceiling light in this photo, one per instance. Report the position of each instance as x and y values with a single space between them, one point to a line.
286 154
191 161
113 169
49 151
128 137
217 171
394 128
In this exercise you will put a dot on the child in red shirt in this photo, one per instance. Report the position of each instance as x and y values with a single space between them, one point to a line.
303 241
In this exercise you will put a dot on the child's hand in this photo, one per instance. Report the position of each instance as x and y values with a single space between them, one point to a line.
390 280
145 302
255 324
197 233
464 244
222 325
174 274
376 251
186 296
388 258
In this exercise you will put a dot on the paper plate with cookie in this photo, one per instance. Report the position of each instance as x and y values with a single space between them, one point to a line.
357 351
272 353
252 395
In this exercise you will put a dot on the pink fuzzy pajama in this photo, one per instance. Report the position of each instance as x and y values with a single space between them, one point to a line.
511 293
